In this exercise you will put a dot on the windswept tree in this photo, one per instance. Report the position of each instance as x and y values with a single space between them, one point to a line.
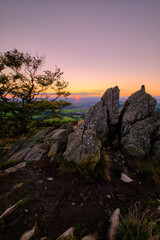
21 88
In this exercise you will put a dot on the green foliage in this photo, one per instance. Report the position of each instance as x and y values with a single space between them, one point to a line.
20 87
137 225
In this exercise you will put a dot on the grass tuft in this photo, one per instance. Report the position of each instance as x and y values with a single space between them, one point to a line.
68 167
101 170
138 225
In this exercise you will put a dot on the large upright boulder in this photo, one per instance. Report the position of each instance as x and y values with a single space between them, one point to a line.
139 124
84 145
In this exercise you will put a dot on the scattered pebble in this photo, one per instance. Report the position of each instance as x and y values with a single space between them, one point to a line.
45 188
40 181
26 210
108 196
125 178
82 195
73 204
18 185
50 179
101 204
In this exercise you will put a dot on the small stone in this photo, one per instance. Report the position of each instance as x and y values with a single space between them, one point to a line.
108 196
18 185
26 210
40 181
81 204
82 195
101 204
125 178
73 204
50 179
45 188
43 238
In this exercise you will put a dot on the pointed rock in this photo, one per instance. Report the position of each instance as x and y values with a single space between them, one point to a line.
139 124
114 224
84 145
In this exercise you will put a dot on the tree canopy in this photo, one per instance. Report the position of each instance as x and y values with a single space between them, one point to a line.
21 90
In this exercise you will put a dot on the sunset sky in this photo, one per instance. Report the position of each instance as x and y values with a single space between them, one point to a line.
97 43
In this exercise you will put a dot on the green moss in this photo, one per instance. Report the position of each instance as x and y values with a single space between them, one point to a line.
29 163
9 163
23 204
39 141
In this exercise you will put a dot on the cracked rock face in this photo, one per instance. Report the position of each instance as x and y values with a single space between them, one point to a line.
45 143
139 124
85 143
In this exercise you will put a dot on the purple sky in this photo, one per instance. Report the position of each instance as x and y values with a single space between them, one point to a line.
97 43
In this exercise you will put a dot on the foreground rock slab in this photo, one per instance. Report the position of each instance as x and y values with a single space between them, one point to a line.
44 144
15 168
9 210
68 233
29 234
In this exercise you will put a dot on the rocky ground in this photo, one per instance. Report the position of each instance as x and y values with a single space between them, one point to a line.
56 202
36 195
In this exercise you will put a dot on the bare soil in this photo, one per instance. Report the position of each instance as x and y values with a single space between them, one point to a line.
59 203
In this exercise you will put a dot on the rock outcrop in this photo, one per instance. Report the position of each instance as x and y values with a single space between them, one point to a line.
136 129
139 124
84 145
45 144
